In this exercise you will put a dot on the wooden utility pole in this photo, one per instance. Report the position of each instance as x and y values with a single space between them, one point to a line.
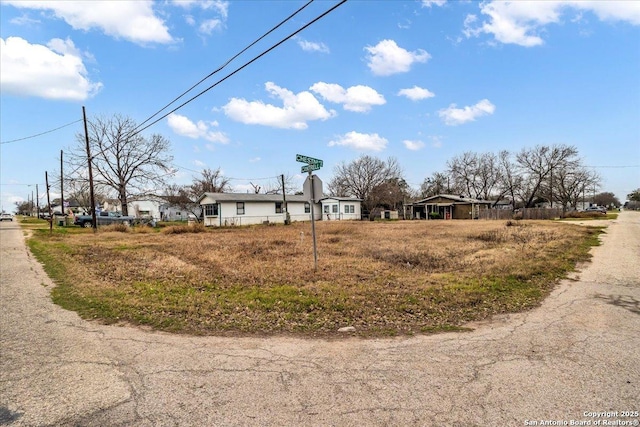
313 223
46 181
287 221
89 161
61 186
37 203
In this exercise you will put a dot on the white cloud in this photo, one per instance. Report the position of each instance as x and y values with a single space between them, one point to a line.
185 127
436 141
521 22
308 46
416 93
413 145
296 111
209 25
199 163
255 160
130 20
453 116
356 98
429 3
388 58
361 141
222 7
55 71
24 20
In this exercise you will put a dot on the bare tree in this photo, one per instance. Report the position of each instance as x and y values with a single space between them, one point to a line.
210 181
361 176
128 164
570 184
510 182
275 186
437 183
391 194
476 175
536 166
606 199
186 196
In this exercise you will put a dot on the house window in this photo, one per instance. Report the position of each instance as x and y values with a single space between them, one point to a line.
307 207
211 210
326 209
278 207
240 208
349 209
178 214
334 208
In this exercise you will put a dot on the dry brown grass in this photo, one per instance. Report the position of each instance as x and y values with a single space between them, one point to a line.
382 278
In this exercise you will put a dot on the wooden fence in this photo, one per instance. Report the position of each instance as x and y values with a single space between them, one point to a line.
526 213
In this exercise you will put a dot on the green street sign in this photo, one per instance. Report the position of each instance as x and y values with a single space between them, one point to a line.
309 168
309 160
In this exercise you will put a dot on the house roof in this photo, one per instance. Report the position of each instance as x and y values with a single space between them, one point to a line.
454 199
342 199
251 197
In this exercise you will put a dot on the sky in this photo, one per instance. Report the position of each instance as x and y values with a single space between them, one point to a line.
421 81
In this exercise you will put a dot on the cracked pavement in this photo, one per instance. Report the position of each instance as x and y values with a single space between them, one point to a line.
579 351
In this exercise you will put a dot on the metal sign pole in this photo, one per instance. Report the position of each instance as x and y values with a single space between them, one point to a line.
313 224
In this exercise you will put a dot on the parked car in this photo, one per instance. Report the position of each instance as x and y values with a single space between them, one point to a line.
600 209
6 217
103 218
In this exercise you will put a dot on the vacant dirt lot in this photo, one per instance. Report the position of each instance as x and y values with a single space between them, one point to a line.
381 278
577 353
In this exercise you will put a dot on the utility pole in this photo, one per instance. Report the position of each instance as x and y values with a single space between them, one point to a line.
89 161
32 203
61 186
551 186
287 221
313 223
37 203
46 181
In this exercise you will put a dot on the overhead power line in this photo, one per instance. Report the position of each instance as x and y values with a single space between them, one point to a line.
227 62
227 177
615 167
41 133
246 64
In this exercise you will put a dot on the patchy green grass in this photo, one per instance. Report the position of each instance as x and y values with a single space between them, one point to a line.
385 279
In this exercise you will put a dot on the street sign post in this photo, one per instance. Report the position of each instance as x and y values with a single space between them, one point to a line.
310 167
313 194
309 160
314 186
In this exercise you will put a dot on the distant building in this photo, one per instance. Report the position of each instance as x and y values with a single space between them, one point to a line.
447 206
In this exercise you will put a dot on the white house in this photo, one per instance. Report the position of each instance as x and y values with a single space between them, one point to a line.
341 208
226 209
147 208
175 213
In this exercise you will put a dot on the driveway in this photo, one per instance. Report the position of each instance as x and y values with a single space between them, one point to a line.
575 357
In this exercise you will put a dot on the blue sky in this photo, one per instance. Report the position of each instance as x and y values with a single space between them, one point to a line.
422 81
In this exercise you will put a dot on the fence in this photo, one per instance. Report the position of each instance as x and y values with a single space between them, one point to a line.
526 213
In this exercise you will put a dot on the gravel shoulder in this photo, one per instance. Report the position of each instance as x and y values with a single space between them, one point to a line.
578 352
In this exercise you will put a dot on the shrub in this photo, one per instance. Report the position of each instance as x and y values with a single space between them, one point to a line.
120 228
181 229
434 215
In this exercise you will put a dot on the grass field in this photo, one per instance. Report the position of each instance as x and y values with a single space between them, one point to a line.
383 278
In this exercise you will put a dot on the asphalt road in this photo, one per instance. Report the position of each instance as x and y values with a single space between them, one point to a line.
576 356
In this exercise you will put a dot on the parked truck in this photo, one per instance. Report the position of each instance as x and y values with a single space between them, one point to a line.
103 218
